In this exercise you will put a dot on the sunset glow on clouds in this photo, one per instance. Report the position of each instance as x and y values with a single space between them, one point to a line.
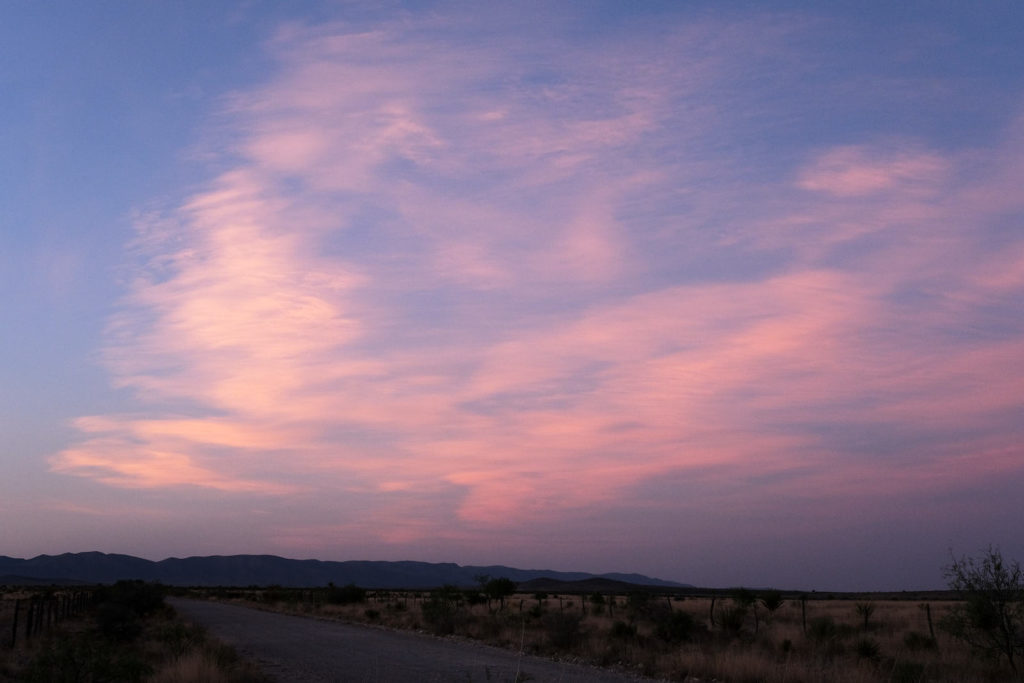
444 281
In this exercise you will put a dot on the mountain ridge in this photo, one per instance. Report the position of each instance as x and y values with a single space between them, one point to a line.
267 570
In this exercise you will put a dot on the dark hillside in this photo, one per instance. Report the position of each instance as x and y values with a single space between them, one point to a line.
269 570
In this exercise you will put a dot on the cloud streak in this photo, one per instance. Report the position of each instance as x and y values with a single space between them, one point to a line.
450 274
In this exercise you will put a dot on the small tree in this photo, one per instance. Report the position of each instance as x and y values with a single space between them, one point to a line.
991 617
745 599
772 600
499 589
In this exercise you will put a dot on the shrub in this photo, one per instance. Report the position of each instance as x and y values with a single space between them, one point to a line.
638 601
822 628
865 610
827 634
473 597
771 601
866 648
991 618
121 607
623 631
180 638
562 630
677 627
346 595
915 641
78 657
442 610
732 619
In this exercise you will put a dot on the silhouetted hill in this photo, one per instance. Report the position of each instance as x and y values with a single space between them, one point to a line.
268 570
595 584
10 580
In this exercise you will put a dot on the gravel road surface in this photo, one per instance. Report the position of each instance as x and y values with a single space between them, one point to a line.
293 649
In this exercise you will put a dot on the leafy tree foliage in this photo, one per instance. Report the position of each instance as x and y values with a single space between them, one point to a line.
772 600
991 617
499 589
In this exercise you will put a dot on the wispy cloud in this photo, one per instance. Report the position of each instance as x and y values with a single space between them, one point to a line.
439 272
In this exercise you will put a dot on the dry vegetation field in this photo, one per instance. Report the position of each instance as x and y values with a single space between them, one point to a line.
672 637
113 635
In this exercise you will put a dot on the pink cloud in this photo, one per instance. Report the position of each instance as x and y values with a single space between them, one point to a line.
856 171
409 291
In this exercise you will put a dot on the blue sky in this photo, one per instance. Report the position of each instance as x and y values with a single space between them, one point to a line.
726 293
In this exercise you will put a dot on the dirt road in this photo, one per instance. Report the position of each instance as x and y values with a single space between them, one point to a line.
294 649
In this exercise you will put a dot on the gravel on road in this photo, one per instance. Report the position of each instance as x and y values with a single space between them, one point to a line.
294 649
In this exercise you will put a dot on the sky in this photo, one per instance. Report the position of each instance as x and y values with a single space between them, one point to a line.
727 293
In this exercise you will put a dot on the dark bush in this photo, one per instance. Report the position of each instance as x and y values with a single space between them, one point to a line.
822 629
346 595
918 641
990 617
677 627
867 648
638 601
733 618
562 630
828 636
623 631
81 657
121 607
140 597
474 597
772 600
443 610
179 637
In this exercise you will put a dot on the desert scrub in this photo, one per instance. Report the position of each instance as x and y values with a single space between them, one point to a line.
675 639
129 636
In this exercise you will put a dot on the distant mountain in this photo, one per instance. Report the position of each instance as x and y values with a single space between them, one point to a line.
270 570
597 584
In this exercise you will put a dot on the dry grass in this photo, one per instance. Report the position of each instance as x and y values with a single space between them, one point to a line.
193 667
165 651
896 647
